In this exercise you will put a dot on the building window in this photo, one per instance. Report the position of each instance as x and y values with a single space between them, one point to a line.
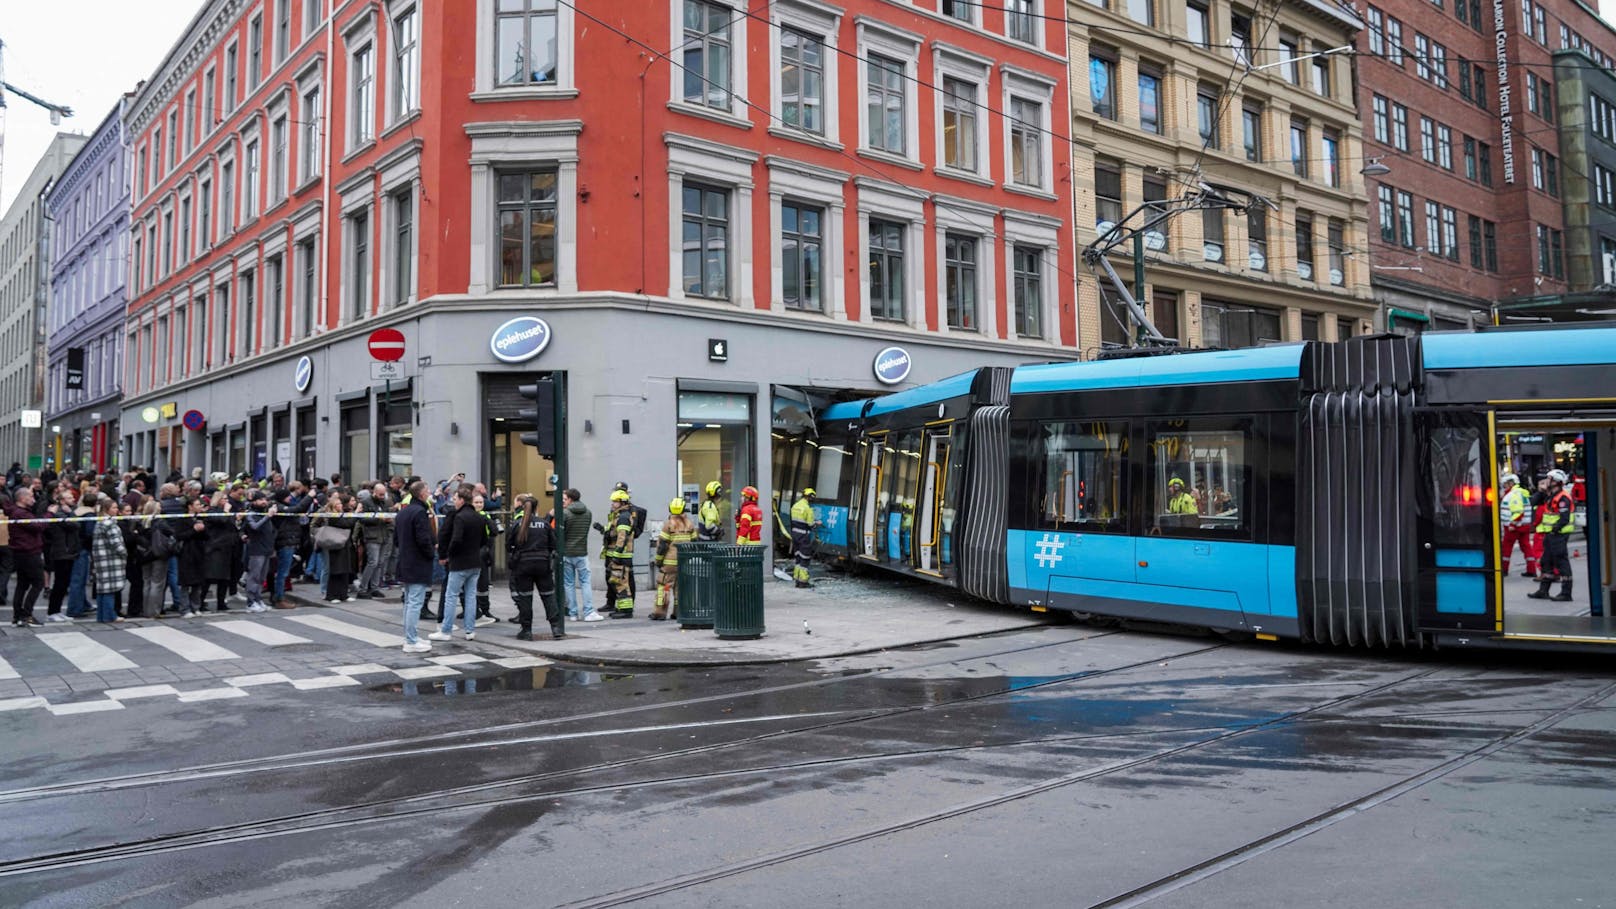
527 229
1444 146
1383 120
1331 144
802 81
1545 172
1289 68
1310 326
1212 234
1405 219
403 203
1602 115
168 242
307 290
707 54
1257 237
1304 244
1338 253
1388 214
1400 127
1196 19
1607 260
1475 242
1439 65
221 323
249 314
1150 100
1142 11
1237 325
227 200
249 181
204 214
1450 233
274 300
232 95
1605 186
405 94
1240 36
359 263
1478 79
1206 115
1027 266
1428 140
309 136
959 264
1251 127
255 52
1377 32
190 120
1394 41
1549 252
277 158
362 96
283 29
959 124
185 230
801 256
1107 195
958 9
706 241
210 105
1489 239
1299 147
1026 142
885 103
1102 86
1470 171
886 270
1422 56
525 42
1321 74
1020 22
1433 229
1484 158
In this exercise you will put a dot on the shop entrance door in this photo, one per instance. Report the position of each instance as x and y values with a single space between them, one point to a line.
714 443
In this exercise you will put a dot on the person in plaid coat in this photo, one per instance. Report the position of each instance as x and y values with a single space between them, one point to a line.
108 562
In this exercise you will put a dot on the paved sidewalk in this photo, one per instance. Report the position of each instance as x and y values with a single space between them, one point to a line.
844 615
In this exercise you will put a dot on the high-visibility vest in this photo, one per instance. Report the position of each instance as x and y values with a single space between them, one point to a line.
1516 506
802 515
1560 515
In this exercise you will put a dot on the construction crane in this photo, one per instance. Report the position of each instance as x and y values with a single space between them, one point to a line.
1201 197
57 111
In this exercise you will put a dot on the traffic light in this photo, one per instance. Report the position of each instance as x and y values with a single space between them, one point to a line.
541 415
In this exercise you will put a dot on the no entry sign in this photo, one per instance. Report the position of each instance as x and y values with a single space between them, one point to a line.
386 344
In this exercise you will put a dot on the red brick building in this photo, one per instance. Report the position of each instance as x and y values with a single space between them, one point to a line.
789 190
1483 112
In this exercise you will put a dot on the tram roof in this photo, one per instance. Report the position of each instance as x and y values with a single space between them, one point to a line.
1253 364
941 390
1538 347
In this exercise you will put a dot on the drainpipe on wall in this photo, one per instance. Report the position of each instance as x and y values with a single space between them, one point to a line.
325 173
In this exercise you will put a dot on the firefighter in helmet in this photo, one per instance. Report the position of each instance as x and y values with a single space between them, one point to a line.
802 536
710 517
749 525
677 529
619 555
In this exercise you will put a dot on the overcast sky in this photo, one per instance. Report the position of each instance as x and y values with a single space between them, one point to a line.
85 53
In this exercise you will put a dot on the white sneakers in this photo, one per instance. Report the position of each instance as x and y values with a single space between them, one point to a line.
59 617
257 607
418 647
471 635
594 617
439 636
485 620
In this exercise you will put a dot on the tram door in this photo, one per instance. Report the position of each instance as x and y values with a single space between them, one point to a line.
902 470
934 509
1456 521
871 504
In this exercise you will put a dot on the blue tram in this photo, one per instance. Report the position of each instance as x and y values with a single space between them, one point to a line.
1332 492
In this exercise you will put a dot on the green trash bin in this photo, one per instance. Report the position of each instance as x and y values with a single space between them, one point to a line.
693 594
737 579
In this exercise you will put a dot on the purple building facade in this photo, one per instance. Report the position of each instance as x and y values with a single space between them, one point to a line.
89 208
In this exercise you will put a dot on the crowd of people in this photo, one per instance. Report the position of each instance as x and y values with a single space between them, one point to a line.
129 546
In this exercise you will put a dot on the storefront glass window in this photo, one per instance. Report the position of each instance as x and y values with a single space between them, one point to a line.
715 443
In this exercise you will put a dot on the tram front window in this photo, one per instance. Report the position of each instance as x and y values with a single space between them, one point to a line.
1199 481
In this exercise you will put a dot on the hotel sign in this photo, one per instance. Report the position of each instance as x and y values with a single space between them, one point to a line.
1506 119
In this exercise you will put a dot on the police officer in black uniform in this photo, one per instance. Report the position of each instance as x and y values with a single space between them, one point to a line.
529 546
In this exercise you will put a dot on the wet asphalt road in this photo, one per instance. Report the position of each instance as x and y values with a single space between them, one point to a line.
1066 766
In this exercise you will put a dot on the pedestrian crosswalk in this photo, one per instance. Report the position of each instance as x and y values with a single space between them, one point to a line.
67 671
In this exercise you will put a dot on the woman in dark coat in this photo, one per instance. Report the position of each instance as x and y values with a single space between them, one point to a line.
223 539
340 562
192 536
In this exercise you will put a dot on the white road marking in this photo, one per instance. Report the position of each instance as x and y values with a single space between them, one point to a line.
360 669
22 704
348 630
523 662
189 646
257 631
456 659
6 672
140 691
212 694
324 681
426 672
84 707
264 678
87 655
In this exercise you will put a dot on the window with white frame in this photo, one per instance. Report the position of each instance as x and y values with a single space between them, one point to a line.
1021 21
959 124
307 262
361 94
232 94
527 228
278 130
358 284
525 42
274 299
283 29
221 322
190 120
401 271
1027 279
249 180
802 247
959 280
708 54
705 241
247 304
886 99
313 14
227 199
886 278
185 229
255 52
404 95
210 100
308 139
802 80
1026 142
963 10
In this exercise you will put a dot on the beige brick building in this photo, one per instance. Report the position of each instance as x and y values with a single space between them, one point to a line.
1167 94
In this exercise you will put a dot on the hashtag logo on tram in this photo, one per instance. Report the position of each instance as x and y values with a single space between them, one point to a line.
1049 548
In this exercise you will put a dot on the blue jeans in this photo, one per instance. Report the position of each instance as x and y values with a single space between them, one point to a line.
283 570
180 601
77 598
317 567
575 580
414 599
461 591
106 608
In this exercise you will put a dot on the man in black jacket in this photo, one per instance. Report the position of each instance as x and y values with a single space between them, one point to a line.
170 502
460 549
412 540
292 506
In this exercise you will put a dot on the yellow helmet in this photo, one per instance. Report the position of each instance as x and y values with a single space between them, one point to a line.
1175 481
809 493
620 495
714 488
677 506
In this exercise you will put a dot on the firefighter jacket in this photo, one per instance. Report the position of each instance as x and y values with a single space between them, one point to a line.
749 525
1560 514
675 530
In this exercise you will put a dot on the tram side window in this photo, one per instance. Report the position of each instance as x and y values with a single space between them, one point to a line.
1083 470
1461 496
1199 481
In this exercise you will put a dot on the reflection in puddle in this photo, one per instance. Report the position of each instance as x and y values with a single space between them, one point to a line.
534 679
